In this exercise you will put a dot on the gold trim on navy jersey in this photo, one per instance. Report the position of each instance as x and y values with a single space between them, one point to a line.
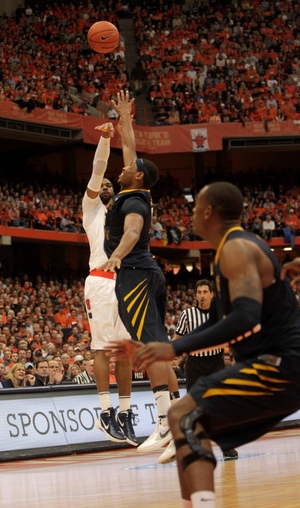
138 303
235 228
260 385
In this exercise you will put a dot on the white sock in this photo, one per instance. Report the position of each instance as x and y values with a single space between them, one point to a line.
124 402
163 402
104 398
185 503
203 498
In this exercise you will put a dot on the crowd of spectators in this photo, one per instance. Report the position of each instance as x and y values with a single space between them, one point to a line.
220 61
43 319
202 62
44 331
46 61
269 210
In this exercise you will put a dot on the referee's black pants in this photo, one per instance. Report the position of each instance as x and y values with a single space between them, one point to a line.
197 366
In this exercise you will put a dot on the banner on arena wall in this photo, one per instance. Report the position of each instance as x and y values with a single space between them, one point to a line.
51 419
61 419
191 138
164 139
199 140
40 115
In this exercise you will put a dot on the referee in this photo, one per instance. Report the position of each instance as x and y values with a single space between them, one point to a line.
204 363
207 362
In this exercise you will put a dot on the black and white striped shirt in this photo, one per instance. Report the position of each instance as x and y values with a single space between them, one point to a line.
190 319
83 378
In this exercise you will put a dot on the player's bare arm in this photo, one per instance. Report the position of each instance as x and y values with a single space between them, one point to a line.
121 350
239 265
132 230
99 165
141 355
123 106
152 352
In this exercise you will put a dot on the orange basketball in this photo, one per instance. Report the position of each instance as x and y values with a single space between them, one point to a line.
103 37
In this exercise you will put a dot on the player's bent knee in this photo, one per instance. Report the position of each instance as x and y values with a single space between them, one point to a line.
187 425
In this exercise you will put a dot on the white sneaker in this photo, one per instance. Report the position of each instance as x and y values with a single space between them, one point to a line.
168 455
160 437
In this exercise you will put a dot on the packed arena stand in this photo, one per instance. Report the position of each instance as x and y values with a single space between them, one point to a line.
202 62
45 317
220 62
47 63
53 205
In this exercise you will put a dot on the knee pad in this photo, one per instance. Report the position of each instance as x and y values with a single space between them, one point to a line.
187 425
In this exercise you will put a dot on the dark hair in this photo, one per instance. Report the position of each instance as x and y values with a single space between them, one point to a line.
205 282
226 199
152 170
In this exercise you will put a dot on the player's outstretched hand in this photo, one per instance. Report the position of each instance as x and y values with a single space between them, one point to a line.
124 103
292 270
107 130
113 263
122 350
152 352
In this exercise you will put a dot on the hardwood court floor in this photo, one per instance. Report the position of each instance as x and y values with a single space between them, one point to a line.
266 475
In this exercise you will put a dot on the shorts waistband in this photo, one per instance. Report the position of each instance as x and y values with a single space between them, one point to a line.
102 273
203 354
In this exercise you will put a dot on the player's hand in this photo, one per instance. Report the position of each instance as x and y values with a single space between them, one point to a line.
107 130
113 263
292 270
124 103
152 352
122 350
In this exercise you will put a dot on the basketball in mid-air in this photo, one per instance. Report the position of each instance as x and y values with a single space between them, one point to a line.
103 37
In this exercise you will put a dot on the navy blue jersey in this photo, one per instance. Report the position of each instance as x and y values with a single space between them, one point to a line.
121 205
280 316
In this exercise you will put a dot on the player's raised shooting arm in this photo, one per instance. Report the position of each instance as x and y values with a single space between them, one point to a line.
100 159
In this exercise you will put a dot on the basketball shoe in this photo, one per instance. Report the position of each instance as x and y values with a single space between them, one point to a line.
125 420
160 437
168 455
230 455
108 424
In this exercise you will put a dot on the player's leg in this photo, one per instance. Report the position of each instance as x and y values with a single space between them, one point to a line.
136 292
101 371
142 303
195 460
123 373
169 454
99 302
125 418
197 366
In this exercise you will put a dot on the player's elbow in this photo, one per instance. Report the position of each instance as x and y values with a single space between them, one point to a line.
249 315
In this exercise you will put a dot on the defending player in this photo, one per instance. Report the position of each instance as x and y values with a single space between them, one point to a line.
256 314
141 285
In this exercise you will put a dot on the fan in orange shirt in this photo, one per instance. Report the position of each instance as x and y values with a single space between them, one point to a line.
60 317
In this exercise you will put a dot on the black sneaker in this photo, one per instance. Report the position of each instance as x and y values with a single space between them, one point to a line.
108 424
125 420
231 455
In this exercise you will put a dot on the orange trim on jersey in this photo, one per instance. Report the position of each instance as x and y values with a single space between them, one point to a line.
102 273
